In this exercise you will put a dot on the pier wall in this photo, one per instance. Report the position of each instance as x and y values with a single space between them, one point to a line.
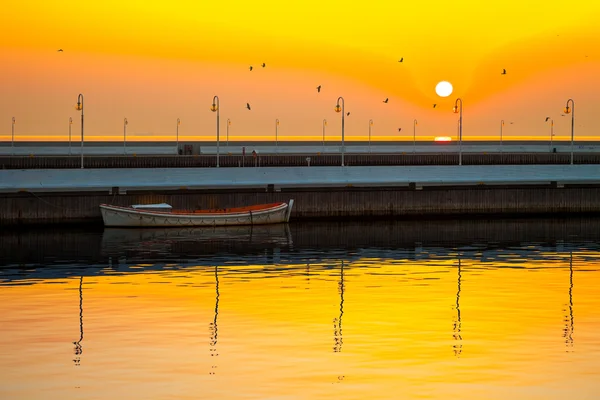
23 208
292 160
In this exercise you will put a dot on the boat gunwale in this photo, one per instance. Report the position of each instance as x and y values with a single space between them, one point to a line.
129 210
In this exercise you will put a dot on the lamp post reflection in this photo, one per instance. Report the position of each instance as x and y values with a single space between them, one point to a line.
338 109
337 322
569 322
551 133
456 326
571 110
276 135
79 107
78 349
459 110
215 108
213 325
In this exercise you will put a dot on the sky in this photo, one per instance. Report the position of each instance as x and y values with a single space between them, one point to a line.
155 61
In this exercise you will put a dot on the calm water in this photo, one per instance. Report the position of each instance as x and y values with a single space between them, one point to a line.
453 309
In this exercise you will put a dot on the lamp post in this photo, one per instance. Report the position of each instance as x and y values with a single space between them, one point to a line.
571 110
501 128
125 136
338 109
458 109
324 125
276 134
70 123
12 143
414 136
213 108
177 137
551 133
370 125
79 107
228 125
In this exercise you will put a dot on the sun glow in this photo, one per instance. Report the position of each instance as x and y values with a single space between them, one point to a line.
443 89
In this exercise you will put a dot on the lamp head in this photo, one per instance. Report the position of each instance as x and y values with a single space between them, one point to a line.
337 108
229 122
455 110
79 106
567 110
214 107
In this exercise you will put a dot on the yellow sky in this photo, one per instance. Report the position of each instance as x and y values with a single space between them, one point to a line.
155 61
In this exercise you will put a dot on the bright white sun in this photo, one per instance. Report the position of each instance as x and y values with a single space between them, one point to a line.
443 89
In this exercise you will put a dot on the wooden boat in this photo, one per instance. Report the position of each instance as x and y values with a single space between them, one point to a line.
163 215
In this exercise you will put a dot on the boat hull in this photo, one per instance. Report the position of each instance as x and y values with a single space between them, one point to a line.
116 216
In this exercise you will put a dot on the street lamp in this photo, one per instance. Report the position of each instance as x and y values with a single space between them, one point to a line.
215 108
177 137
324 125
458 109
571 110
125 136
501 128
12 143
70 123
338 109
276 133
551 133
228 125
370 125
414 136
79 107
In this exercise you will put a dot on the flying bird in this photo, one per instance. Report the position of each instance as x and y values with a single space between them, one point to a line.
402 59
399 129
248 106
319 89
547 118
434 105
503 72
264 65
251 68
347 114
60 50
386 100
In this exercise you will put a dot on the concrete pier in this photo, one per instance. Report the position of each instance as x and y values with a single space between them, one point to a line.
62 196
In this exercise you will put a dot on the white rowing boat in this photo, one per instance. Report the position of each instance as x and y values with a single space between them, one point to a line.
163 215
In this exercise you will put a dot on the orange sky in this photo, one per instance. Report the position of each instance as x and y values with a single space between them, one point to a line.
153 62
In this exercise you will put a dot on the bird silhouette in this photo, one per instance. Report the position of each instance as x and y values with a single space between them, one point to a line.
251 68
319 89
248 106
60 50
547 118
386 100
503 72
434 105
399 129
264 65
401 59
347 114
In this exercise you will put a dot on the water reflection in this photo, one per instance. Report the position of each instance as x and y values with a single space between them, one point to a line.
457 324
213 327
78 349
398 327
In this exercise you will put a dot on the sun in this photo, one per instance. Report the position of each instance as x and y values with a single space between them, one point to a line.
443 89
